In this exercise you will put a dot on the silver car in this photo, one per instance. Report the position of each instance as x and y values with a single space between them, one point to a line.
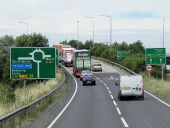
96 67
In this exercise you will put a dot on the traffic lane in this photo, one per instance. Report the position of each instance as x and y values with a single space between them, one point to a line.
149 113
105 67
91 108
109 68
46 117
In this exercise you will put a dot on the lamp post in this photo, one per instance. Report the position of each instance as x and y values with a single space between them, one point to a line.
110 29
163 26
24 23
93 27
78 34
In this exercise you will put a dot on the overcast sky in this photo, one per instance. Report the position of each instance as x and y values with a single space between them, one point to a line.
132 20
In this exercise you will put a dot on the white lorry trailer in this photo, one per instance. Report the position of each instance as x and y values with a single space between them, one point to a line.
67 57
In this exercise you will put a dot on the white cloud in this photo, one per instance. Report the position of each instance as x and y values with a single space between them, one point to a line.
57 19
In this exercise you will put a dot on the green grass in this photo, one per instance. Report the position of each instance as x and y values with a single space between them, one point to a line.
25 119
24 96
159 88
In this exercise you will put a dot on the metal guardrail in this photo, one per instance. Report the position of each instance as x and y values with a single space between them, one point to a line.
118 65
21 110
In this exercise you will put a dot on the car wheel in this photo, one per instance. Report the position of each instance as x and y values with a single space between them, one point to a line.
141 97
120 96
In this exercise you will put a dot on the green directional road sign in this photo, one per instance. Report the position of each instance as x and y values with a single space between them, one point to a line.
155 56
122 54
32 63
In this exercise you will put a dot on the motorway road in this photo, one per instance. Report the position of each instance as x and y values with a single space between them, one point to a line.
98 107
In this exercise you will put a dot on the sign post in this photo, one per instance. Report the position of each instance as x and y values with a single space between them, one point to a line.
149 69
32 63
155 56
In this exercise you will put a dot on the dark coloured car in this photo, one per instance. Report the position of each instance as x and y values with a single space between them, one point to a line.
84 72
89 79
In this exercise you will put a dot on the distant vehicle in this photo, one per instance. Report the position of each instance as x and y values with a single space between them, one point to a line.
131 86
96 67
60 47
84 72
67 57
89 79
81 61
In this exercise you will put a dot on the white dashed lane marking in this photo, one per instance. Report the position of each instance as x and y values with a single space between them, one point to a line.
118 110
124 122
114 102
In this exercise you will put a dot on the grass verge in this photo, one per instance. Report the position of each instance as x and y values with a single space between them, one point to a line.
24 118
159 88
24 96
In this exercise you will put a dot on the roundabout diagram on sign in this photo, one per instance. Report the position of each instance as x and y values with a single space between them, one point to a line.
36 61
33 63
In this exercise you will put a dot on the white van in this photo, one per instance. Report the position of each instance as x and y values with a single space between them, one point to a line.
131 86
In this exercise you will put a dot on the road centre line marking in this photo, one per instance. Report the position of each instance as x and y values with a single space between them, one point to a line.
114 102
118 110
60 114
107 88
157 98
110 92
124 122
111 97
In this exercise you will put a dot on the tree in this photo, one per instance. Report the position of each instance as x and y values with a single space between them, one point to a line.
137 47
88 44
32 40
5 43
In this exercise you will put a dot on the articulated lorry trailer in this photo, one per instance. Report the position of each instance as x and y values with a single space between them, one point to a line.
60 47
67 57
81 61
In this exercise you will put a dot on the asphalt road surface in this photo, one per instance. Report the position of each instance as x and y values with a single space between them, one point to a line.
98 107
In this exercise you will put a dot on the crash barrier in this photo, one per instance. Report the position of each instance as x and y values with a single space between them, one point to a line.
13 119
115 64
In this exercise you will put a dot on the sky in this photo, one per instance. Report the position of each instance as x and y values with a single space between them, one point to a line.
132 20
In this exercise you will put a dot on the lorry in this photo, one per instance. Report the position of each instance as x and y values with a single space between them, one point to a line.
67 57
131 85
60 47
81 61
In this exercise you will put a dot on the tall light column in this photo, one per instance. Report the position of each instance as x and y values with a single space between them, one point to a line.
24 23
110 29
163 26
78 34
93 27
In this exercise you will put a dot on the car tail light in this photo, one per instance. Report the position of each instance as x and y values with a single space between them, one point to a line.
94 78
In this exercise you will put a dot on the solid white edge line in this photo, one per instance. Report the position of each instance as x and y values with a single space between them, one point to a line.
124 122
111 97
114 102
59 115
118 110
157 98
